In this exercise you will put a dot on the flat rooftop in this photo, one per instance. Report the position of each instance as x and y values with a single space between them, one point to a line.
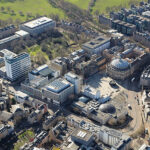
8 39
124 23
22 33
37 22
82 134
21 94
6 52
58 85
72 75
100 40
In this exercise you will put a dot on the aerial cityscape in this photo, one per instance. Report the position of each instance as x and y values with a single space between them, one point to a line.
75 80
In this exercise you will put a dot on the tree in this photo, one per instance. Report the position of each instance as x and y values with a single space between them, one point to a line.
2 9
37 15
12 12
29 14
8 9
21 13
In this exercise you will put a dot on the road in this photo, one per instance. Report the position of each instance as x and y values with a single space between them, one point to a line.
135 112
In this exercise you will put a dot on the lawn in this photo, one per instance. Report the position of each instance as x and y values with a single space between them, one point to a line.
101 5
34 50
41 7
80 3
24 138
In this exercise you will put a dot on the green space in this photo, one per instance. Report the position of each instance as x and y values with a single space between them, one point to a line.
102 5
27 9
24 138
80 3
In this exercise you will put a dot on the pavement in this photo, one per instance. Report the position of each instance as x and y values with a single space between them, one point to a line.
135 112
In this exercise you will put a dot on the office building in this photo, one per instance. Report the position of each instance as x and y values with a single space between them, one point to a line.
7 31
97 45
38 26
17 66
58 91
59 64
82 136
145 78
21 97
76 80
123 27
116 139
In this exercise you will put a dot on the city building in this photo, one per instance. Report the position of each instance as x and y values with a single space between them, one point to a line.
145 78
144 147
37 79
38 26
76 80
43 71
60 65
143 38
7 31
119 69
87 68
38 141
5 130
123 27
116 139
91 92
82 136
58 91
9 42
37 115
96 46
18 112
3 103
17 66
21 97
146 104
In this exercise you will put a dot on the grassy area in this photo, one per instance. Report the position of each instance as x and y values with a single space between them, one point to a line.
80 3
101 5
24 138
41 7
35 51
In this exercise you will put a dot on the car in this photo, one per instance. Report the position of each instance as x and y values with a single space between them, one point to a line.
129 106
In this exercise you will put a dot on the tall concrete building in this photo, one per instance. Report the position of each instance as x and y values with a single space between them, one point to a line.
38 26
17 66
76 80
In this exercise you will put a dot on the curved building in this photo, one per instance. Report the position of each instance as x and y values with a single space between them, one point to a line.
145 78
107 108
119 69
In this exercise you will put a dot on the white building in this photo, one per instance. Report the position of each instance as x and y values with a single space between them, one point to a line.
96 46
38 26
144 147
116 139
21 97
91 92
17 66
58 91
76 80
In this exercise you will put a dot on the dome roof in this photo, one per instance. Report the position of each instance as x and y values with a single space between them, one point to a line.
107 108
120 64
